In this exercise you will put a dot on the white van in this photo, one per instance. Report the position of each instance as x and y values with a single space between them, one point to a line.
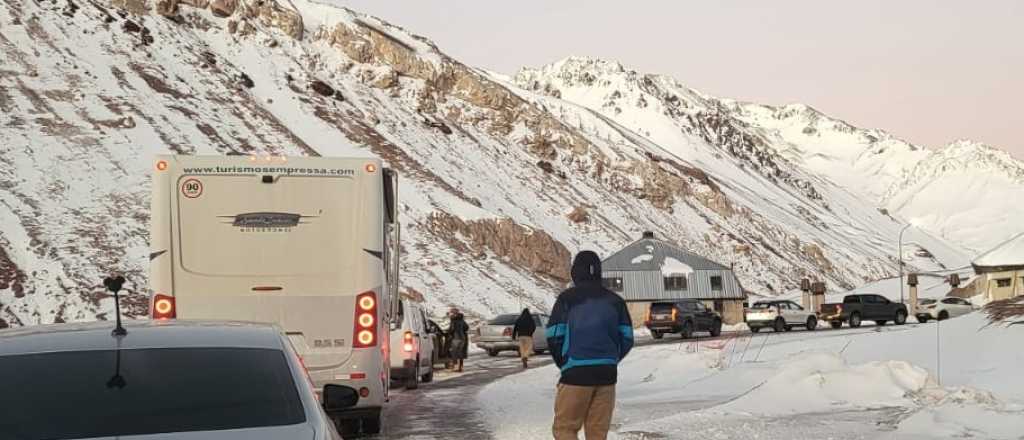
308 243
414 354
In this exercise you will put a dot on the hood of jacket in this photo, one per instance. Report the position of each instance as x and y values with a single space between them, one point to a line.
586 268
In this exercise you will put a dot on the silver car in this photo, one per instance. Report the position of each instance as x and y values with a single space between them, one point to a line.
172 380
495 336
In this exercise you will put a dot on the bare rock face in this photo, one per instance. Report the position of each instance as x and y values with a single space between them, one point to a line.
137 7
271 14
579 215
11 276
530 249
167 8
814 252
200 4
223 8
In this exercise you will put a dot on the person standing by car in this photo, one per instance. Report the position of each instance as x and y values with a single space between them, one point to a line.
589 333
523 333
458 331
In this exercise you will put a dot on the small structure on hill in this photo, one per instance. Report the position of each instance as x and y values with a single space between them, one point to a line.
650 270
1001 270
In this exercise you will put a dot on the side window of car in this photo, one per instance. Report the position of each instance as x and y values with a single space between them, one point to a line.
795 306
950 301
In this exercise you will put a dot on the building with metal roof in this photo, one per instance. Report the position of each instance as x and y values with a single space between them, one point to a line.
1001 270
650 270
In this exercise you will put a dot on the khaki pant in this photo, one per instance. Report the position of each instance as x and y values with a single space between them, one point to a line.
525 346
589 408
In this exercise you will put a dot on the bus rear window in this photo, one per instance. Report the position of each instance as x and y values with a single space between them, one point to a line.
84 394
298 225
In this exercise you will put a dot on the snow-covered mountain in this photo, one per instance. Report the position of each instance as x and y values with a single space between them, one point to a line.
502 181
960 192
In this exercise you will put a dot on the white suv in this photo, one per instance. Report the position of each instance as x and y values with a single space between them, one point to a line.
780 316
412 347
949 307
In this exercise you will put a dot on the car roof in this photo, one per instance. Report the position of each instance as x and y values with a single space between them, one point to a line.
141 334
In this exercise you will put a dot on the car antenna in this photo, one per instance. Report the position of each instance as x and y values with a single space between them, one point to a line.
114 284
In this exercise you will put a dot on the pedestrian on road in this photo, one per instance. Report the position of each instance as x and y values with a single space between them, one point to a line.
589 333
523 333
458 331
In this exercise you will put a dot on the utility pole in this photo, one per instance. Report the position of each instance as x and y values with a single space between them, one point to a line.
901 260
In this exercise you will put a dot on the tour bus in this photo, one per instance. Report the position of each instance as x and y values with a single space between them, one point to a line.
308 243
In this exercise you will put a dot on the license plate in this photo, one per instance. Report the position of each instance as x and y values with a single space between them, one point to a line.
662 317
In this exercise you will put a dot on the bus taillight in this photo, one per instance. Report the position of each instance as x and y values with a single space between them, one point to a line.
365 321
163 307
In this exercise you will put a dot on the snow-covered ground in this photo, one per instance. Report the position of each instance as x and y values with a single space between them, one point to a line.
955 380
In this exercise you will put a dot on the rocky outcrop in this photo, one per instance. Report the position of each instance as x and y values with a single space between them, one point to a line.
11 276
167 8
223 8
814 252
579 214
530 249
271 14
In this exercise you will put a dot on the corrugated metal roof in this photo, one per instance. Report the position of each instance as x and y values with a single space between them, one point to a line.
650 285
635 257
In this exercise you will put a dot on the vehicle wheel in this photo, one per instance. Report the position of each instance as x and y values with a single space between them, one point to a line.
923 319
943 315
812 323
716 328
413 381
779 326
687 331
880 322
371 425
492 353
657 335
755 329
855 320
836 324
901 317
428 378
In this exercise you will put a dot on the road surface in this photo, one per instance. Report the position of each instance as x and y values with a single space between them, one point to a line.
446 408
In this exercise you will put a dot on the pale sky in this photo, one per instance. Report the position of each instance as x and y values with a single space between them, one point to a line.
927 71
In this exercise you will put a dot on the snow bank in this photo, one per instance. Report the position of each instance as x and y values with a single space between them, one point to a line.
861 383
823 382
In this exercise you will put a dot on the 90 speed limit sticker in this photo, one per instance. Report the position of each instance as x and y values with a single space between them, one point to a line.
192 188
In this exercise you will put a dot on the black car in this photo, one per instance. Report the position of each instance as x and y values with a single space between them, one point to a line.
864 307
684 316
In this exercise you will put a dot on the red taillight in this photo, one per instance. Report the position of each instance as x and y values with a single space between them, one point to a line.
407 342
163 307
357 376
507 331
365 321
839 308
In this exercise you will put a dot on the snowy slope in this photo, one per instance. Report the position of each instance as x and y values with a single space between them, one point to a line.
956 193
500 184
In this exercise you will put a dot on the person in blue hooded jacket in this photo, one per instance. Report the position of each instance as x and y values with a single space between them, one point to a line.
588 334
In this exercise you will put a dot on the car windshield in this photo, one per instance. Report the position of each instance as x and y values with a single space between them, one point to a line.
110 393
927 301
504 320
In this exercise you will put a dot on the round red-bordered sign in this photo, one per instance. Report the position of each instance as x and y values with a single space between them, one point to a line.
192 188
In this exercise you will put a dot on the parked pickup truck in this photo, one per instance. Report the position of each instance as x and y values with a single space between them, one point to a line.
866 307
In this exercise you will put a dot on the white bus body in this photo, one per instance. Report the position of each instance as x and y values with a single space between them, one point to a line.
308 243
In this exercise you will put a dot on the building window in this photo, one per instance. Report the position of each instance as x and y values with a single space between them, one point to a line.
613 284
716 284
1004 282
675 283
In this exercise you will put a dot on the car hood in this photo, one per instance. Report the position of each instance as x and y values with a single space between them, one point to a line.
297 432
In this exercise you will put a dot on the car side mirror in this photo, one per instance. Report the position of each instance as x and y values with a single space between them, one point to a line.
338 398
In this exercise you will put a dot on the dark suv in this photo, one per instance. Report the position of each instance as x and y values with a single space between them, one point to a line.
684 316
